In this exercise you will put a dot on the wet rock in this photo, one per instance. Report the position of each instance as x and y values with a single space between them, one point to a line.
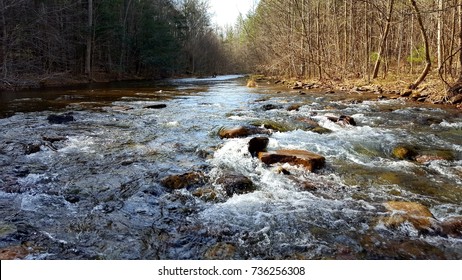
257 144
342 120
15 252
60 119
72 198
235 183
282 170
53 139
31 149
294 107
156 106
186 180
241 131
221 251
268 107
206 194
273 125
452 227
404 152
412 212
310 161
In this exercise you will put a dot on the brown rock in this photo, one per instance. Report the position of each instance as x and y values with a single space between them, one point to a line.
14 253
415 213
235 183
241 131
294 107
452 227
221 251
309 160
190 179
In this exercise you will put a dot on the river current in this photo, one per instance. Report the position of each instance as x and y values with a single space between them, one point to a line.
91 188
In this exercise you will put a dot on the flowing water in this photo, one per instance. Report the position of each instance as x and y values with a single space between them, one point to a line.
90 188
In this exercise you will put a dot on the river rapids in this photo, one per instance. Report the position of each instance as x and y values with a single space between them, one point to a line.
91 188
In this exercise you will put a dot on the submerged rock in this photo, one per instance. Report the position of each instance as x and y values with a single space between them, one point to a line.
268 107
221 251
186 180
412 212
241 131
235 183
274 125
310 161
60 119
257 144
404 152
156 106
343 120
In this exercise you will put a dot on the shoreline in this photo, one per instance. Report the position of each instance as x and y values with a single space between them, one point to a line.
429 92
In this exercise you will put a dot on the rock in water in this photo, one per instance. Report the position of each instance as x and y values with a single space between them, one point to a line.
241 131
452 227
60 119
343 120
403 152
412 212
191 179
156 106
235 183
257 144
308 160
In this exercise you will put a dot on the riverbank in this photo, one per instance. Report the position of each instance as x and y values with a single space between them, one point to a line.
431 91
65 80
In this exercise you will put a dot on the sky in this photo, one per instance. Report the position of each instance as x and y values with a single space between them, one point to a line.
225 12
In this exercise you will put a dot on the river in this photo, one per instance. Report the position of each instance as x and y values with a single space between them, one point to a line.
91 188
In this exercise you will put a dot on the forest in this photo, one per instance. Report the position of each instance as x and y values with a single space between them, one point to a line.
326 40
106 39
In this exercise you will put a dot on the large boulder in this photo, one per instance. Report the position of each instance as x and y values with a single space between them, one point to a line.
235 183
241 131
411 212
310 161
257 144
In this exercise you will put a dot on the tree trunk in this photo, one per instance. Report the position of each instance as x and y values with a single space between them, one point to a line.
440 35
384 40
4 40
89 39
428 61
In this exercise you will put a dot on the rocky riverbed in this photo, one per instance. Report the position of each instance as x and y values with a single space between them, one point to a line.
212 169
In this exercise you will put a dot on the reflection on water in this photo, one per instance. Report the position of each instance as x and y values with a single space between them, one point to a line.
91 188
